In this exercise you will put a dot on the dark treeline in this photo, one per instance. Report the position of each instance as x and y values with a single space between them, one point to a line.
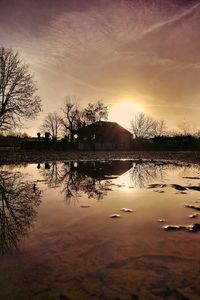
72 118
61 131
176 142
12 140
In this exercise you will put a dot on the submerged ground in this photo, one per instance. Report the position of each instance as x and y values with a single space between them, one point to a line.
11 156
65 233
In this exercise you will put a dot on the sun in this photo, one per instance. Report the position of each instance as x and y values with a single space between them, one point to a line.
123 112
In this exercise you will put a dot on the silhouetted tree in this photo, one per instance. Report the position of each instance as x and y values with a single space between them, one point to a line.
72 119
52 124
95 112
143 126
186 128
18 92
160 128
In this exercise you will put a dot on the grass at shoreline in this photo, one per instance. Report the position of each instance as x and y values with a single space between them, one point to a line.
20 156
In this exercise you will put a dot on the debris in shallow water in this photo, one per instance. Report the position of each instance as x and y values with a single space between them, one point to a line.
126 209
156 185
114 216
188 177
193 216
172 227
193 206
158 191
161 220
84 206
178 187
194 187
194 228
183 193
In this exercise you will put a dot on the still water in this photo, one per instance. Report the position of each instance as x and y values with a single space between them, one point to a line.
59 241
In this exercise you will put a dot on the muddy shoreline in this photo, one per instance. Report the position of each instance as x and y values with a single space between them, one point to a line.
21 156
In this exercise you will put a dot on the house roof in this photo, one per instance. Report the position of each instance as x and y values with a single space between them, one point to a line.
102 127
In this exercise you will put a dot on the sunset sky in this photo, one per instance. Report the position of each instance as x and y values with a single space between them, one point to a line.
143 54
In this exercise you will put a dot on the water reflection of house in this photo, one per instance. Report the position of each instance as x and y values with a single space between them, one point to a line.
104 136
103 170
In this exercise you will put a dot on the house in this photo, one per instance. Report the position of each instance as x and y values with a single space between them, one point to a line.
104 135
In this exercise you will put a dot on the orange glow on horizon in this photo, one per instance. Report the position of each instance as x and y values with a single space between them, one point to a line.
124 111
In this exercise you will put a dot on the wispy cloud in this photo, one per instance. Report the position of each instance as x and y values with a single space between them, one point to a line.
146 48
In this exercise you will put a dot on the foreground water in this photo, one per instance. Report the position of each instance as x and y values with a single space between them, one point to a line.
58 240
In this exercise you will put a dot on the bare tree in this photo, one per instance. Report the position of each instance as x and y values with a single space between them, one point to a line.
186 128
95 112
52 124
160 128
143 126
18 92
72 119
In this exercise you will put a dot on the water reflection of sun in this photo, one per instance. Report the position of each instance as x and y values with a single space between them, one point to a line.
123 112
124 182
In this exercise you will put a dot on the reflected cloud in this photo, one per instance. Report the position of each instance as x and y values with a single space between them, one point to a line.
110 48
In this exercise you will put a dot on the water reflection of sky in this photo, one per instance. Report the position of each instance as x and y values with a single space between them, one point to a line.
57 216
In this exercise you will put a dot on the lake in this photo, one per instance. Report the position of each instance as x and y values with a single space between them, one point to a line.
121 229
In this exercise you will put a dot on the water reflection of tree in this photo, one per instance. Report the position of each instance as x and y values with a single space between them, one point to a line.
76 179
71 182
53 173
95 188
142 172
19 200
93 178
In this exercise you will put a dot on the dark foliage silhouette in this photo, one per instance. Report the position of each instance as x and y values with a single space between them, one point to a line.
18 92
72 117
52 124
95 112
